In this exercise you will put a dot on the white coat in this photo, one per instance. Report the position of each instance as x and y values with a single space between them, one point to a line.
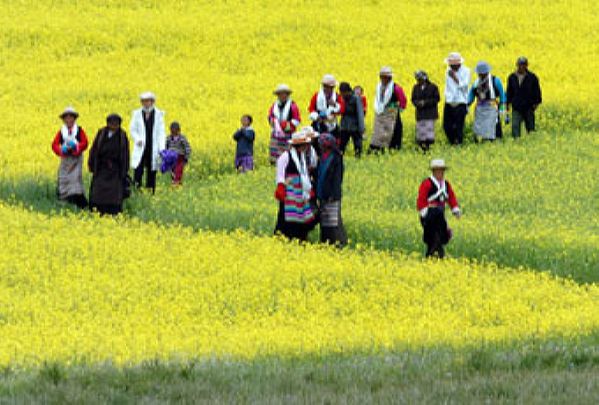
138 133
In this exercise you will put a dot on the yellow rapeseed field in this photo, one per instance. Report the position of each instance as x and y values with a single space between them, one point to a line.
127 292
78 288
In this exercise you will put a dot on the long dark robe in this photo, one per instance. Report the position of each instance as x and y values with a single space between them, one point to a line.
109 163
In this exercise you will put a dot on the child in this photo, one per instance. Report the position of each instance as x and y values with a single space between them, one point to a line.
178 142
245 136
359 91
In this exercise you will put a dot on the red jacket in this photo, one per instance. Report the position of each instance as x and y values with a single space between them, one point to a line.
402 100
289 123
312 107
430 195
81 144
364 103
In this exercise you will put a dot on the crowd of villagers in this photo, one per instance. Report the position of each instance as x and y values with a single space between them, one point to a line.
308 159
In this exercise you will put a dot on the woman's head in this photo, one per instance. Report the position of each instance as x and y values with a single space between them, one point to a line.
69 116
386 75
421 76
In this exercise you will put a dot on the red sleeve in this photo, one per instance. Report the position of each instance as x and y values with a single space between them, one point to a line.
270 114
56 147
312 107
295 112
401 96
453 201
341 103
422 201
364 104
82 145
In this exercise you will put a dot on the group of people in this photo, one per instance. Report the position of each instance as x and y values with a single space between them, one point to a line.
308 159
110 157
342 113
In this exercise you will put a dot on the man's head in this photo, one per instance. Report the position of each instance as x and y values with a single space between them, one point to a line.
282 92
386 75
522 64
113 122
421 77
148 99
345 89
328 84
454 60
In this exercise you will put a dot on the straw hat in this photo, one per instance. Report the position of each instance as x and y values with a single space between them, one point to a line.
300 138
454 58
386 71
438 164
329 80
69 111
310 132
282 88
148 95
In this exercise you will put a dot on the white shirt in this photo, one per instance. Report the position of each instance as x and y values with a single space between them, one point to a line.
457 93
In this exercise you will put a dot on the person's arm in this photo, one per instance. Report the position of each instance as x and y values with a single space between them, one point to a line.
340 107
251 135
135 131
125 155
161 133
538 97
502 98
364 103
81 144
187 148
422 200
91 160
237 135
453 201
471 95
338 177
56 146
296 118
401 97
509 95
414 97
360 112
312 106
464 79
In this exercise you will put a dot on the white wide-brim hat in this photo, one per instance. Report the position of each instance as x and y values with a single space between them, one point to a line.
282 88
310 132
329 80
454 58
386 71
300 138
438 164
69 111
147 95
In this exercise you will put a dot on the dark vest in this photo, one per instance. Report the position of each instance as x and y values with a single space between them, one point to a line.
442 197
77 136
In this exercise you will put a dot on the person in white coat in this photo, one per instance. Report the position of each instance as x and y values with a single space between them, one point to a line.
149 138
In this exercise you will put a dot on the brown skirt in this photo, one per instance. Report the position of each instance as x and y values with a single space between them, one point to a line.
70 176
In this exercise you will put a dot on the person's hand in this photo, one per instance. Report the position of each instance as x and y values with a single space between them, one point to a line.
534 107
72 145
456 212
280 192
323 114
64 149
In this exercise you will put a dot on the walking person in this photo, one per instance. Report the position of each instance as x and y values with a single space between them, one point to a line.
488 93
244 152
109 164
352 120
284 118
434 193
425 97
457 81
296 216
149 139
178 143
390 101
69 144
523 97
329 191
325 106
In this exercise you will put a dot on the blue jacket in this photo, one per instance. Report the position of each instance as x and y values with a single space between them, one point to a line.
245 141
497 86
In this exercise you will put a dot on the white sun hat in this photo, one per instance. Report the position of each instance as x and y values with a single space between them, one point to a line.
69 111
300 138
454 58
386 71
147 95
438 164
282 88
329 80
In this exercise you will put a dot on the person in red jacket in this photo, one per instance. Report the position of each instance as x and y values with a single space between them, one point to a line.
325 106
433 194
69 144
284 118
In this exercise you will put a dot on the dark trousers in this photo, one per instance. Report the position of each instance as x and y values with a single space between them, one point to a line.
77 199
106 209
436 233
397 138
150 176
518 117
453 123
355 136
